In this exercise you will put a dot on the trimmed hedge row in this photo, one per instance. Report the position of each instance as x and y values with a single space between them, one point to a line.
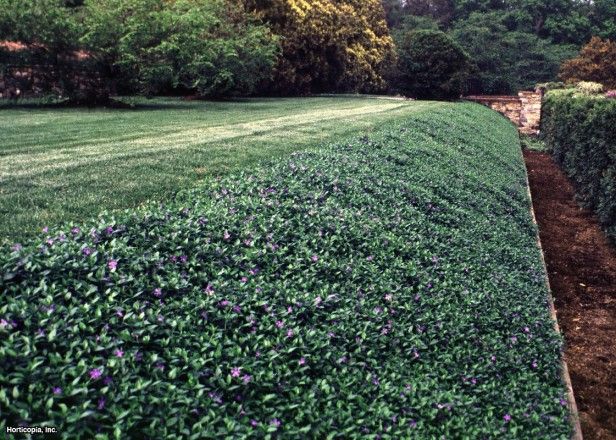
385 287
581 133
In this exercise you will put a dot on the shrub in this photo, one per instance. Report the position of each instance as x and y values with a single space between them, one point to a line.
580 131
387 285
596 62
431 65
210 47
589 88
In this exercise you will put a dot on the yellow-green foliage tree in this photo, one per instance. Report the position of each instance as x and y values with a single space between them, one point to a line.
596 62
328 46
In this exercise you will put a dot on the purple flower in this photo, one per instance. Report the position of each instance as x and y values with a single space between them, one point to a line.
526 330
40 332
514 339
215 397
507 418
86 251
107 380
388 297
279 324
46 229
16 247
254 271
49 242
413 423
112 264
209 289
254 423
244 280
370 258
235 372
534 364
109 230
95 373
118 353
57 390
101 403
75 231
157 292
493 358
246 378
563 402
302 361
314 258
226 235
224 303
275 422
138 356
237 309
290 333
183 259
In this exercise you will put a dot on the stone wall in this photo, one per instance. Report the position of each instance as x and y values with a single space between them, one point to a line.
34 81
524 110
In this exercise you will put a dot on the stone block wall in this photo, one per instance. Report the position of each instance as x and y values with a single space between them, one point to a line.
524 110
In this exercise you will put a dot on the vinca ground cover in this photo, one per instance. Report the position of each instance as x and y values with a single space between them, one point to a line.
66 164
385 286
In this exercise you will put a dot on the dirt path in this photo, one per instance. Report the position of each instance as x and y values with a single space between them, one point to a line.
582 270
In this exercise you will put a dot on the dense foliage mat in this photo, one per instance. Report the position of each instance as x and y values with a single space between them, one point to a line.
581 133
386 287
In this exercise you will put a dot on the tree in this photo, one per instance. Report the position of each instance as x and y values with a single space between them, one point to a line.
328 46
596 62
442 11
431 65
209 46
602 17
50 31
507 61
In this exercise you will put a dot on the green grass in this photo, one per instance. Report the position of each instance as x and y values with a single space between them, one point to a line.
62 164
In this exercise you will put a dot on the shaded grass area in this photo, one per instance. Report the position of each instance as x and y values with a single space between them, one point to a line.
383 286
64 164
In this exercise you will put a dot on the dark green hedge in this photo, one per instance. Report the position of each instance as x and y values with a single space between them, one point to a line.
581 133
385 287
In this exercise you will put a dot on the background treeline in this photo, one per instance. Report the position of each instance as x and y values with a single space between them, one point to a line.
209 47
218 48
513 44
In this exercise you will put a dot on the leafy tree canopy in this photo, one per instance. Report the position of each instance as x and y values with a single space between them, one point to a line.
328 46
431 65
596 62
211 47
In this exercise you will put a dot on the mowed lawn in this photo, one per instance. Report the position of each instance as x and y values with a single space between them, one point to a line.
65 165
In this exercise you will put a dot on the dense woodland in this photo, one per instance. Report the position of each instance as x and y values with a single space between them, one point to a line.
218 48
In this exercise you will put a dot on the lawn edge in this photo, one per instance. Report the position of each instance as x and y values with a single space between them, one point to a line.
574 417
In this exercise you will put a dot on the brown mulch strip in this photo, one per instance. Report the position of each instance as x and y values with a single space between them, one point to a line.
581 266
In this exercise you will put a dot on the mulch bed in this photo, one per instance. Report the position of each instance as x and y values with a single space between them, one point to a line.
582 269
